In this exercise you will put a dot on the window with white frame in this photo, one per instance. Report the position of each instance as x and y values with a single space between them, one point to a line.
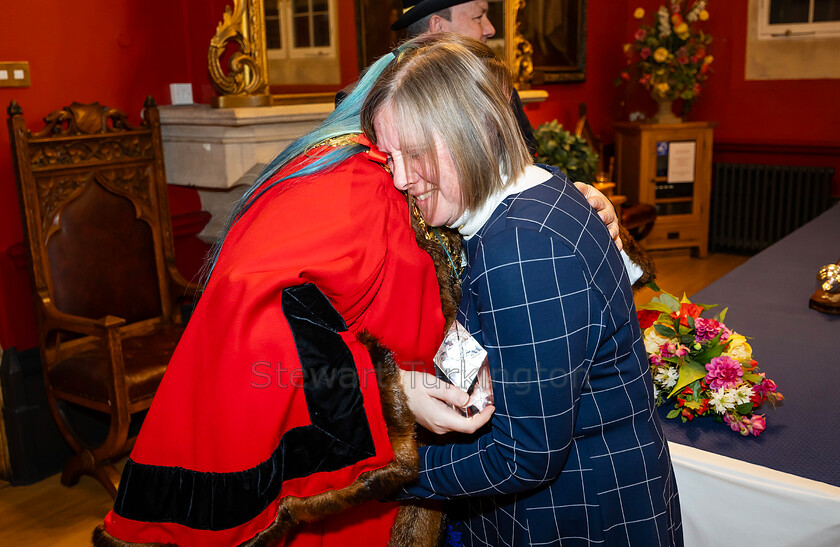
785 19
300 28
301 41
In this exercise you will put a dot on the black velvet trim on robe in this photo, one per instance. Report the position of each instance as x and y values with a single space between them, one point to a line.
338 437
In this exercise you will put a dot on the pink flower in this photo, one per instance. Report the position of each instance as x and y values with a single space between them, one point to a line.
682 59
655 360
640 35
644 79
671 349
705 329
697 88
644 54
724 373
734 425
765 386
756 424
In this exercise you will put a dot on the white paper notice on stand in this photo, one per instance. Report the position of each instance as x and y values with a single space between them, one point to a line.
681 156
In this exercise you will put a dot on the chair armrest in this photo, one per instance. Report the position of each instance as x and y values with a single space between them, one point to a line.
181 286
58 320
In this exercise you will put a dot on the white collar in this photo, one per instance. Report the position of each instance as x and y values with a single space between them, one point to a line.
471 221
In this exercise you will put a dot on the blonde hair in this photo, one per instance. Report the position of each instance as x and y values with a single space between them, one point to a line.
454 90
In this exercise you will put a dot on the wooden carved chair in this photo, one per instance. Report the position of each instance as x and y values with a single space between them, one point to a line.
96 220
637 218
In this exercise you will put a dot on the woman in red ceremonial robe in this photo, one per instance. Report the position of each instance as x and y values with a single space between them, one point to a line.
281 405
270 411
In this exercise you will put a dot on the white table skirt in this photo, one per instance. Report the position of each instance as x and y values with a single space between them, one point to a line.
730 502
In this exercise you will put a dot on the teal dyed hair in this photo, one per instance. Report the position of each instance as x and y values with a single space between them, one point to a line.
343 120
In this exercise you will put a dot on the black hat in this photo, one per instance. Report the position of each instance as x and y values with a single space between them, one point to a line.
414 10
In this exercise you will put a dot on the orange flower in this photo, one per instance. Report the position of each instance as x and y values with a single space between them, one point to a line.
687 309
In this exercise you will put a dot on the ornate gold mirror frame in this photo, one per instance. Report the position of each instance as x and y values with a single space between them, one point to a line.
518 50
246 81
559 32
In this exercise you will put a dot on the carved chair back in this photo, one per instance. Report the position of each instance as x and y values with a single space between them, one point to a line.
97 217
94 205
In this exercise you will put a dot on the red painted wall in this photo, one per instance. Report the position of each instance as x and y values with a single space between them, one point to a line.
116 53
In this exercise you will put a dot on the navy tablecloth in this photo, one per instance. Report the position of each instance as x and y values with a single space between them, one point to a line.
797 347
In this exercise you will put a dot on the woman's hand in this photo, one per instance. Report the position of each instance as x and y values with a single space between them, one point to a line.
429 399
604 207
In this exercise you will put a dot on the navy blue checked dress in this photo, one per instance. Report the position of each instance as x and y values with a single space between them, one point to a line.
574 454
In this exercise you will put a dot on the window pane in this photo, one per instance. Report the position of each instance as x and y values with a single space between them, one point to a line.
272 33
826 10
271 9
301 38
321 24
272 26
320 5
789 11
300 6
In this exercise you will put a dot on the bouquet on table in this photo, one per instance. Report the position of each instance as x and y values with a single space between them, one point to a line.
702 365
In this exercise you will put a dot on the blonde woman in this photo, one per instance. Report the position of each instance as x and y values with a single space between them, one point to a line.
574 454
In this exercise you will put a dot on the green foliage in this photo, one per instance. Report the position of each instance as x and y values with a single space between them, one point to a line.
572 154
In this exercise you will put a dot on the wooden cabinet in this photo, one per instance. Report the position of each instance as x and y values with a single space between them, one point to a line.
669 166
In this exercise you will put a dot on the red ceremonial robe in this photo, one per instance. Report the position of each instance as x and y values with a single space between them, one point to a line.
233 430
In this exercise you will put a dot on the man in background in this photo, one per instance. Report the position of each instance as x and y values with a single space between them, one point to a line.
468 18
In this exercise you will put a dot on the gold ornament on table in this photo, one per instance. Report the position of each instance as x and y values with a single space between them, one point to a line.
827 297
669 57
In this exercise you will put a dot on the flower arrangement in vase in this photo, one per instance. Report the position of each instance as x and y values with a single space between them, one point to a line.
669 57
703 367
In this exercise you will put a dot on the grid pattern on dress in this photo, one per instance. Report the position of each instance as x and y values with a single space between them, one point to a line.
575 453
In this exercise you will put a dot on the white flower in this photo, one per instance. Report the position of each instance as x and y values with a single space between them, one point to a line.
694 12
673 376
743 394
653 340
667 377
722 400
664 19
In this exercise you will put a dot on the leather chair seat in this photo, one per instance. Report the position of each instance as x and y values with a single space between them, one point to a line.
146 357
638 219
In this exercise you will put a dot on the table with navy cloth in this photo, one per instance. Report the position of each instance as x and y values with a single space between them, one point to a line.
782 487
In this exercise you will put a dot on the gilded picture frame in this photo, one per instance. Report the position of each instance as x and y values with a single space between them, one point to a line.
545 41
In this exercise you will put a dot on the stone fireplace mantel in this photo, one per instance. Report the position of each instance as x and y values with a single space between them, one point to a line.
221 151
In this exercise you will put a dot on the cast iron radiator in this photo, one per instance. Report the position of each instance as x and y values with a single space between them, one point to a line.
753 206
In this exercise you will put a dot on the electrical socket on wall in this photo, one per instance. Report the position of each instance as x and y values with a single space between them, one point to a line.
181 93
14 74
